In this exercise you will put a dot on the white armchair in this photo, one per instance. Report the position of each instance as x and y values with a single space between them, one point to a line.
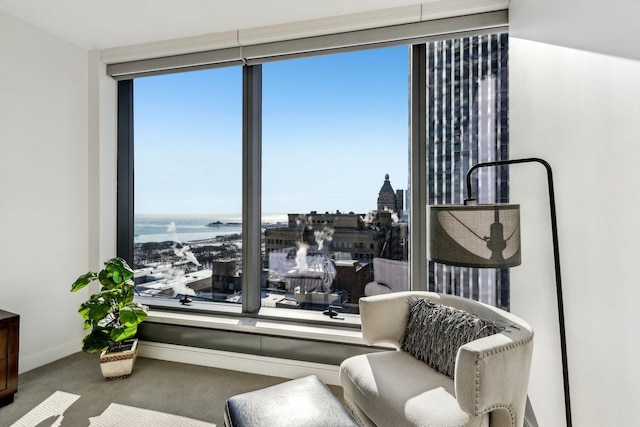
393 388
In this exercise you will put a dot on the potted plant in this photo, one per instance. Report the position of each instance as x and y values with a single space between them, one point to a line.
113 317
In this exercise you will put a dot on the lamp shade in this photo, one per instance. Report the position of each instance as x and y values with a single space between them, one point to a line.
482 236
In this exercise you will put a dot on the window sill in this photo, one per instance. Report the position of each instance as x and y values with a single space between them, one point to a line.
312 325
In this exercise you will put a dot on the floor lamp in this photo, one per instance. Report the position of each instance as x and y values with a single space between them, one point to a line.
488 236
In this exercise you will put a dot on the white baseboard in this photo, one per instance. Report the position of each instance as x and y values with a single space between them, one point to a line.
32 361
261 365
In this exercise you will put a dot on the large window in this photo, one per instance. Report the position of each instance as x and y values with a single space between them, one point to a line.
334 126
188 184
331 186
334 130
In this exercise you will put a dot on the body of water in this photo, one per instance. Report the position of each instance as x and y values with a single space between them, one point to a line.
185 228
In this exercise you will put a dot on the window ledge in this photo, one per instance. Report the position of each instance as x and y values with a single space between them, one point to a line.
292 328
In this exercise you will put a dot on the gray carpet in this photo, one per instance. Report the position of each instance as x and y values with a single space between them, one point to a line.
186 390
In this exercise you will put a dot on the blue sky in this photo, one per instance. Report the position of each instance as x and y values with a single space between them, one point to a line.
333 126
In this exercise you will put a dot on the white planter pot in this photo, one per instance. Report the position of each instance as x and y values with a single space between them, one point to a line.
119 364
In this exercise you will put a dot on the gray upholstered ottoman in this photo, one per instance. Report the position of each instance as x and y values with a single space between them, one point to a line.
305 402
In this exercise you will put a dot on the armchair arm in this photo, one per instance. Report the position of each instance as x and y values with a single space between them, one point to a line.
492 374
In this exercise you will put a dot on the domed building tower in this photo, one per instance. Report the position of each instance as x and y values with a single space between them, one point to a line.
387 197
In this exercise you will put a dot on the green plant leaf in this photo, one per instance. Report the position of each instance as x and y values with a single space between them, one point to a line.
128 293
110 295
84 311
96 341
125 270
105 279
140 311
132 315
94 309
115 272
83 281
123 332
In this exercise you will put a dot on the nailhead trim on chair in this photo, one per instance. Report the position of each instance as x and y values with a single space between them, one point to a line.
512 415
492 407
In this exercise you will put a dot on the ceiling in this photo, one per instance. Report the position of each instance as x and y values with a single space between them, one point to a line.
101 24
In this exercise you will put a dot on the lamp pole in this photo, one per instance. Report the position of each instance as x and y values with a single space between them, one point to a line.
556 258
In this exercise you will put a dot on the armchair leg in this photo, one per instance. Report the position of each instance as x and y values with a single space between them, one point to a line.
529 415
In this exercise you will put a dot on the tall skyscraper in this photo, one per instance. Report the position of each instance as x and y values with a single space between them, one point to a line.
467 123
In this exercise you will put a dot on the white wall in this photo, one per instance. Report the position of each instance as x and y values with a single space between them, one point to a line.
44 191
102 162
575 100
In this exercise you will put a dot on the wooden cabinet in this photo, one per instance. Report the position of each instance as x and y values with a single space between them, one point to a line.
9 339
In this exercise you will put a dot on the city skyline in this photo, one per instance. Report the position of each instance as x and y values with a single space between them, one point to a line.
326 155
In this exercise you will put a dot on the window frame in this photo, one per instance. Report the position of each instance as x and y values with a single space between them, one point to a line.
251 207
251 192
